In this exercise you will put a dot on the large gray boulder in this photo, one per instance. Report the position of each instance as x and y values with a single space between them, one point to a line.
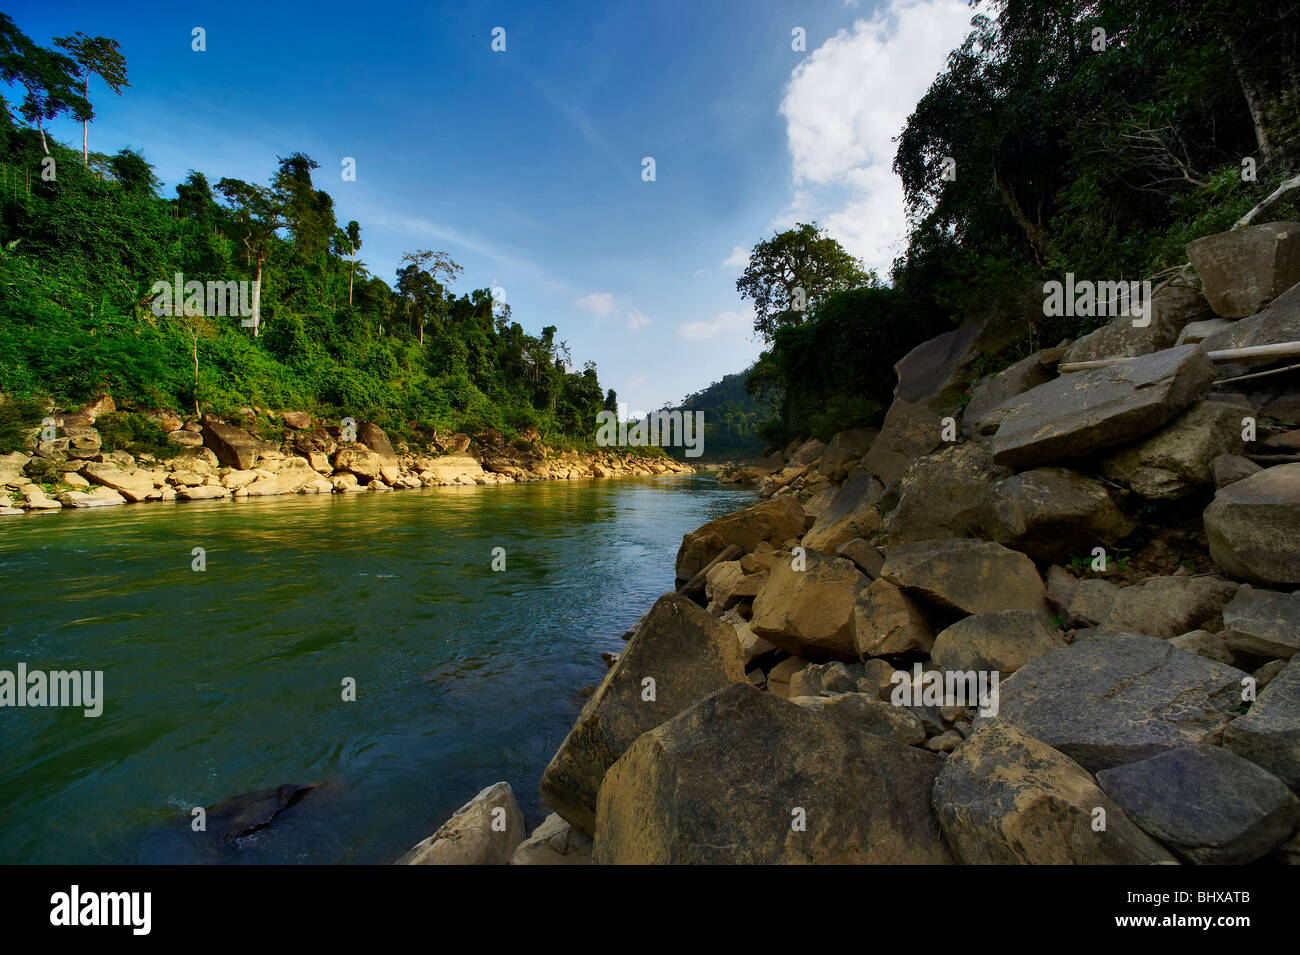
1117 699
1085 412
1269 734
968 576
1243 269
1039 368
374 438
685 654
1178 459
1206 803
1172 308
943 495
1278 323
1052 514
484 831
844 451
851 513
1263 623
1253 527
1006 798
773 521
743 777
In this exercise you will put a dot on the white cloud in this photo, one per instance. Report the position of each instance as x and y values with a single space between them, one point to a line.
738 259
843 106
726 325
598 303
637 319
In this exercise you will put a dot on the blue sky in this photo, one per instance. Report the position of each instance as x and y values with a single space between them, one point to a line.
526 165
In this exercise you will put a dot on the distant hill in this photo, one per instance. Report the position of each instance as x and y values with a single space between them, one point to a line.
731 419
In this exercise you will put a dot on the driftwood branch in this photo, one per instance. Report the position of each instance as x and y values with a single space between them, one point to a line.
1249 354
1249 217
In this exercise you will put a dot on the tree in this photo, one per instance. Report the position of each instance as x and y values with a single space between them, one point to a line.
791 272
261 214
432 264
353 236
49 79
97 56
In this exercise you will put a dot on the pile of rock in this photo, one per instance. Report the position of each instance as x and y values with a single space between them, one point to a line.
220 460
1058 623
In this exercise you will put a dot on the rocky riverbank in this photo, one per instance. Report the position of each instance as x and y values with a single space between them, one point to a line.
1053 619
289 454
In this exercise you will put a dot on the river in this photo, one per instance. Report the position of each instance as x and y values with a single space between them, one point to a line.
230 679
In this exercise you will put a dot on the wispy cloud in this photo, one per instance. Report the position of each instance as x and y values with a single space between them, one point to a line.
725 326
598 303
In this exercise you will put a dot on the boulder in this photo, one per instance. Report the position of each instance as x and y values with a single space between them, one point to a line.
298 420
810 612
1263 623
360 462
1194 332
1092 602
1206 803
1244 269
484 831
752 646
242 815
743 777
1085 412
205 492
887 622
1177 460
1277 323
1015 380
456 468
1006 798
819 679
295 474
1253 527
1269 734
852 513
1212 646
937 372
1171 309
1004 640
83 442
779 677
1231 468
944 495
1169 606
909 431
99 497
868 558
771 521
1117 699
968 576
233 447
1052 514
843 451
374 438
134 486
318 440
867 713
554 842
727 584
685 654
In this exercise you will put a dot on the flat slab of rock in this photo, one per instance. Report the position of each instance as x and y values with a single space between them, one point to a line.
1177 459
1206 803
1084 412
204 492
1054 513
867 713
969 576
1269 734
1006 798
1277 323
1243 269
743 777
863 553
1004 640
686 654
134 486
1253 526
773 521
484 831
1263 623
1015 380
1171 309
100 497
554 842
1117 699
809 612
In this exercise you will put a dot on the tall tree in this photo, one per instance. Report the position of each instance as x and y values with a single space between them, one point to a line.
353 234
48 78
95 56
261 214
791 272
433 264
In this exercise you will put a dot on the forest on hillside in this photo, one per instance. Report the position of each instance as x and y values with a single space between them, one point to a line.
85 236
1096 137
